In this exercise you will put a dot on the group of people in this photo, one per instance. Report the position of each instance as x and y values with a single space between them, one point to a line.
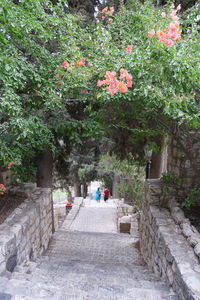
106 193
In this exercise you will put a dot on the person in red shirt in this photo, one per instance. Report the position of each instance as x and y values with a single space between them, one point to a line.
106 194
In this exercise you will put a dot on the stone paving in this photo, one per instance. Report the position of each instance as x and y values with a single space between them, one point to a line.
87 262
96 217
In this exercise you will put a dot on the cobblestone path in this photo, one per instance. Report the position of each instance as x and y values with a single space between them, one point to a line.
90 261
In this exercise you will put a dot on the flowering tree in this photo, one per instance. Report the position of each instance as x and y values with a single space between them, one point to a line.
161 54
59 79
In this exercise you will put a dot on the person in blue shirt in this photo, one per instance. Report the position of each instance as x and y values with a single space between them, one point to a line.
98 195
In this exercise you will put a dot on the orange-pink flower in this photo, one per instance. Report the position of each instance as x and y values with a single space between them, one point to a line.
130 83
104 10
129 49
110 20
111 10
172 33
90 64
151 33
65 64
123 88
115 85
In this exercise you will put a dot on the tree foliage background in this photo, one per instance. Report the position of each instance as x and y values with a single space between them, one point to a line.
51 61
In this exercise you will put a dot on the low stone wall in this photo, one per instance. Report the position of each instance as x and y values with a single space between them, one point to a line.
165 243
77 203
124 209
27 231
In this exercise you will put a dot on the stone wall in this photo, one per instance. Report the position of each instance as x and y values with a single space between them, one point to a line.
169 244
179 164
27 231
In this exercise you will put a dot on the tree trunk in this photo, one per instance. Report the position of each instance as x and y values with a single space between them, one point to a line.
115 193
45 169
85 190
77 189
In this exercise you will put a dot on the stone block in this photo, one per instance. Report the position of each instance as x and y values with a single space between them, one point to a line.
5 296
197 250
11 261
169 256
170 275
194 239
186 229
125 227
178 216
192 281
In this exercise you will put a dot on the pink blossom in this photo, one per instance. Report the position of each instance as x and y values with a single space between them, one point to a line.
123 73
151 33
173 35
148 61
99 83
129 49
82 62
172 6
112 91
130 83
168 42
161 35
65 64
84 91
174 17
2 189
179 7
10 164
163 14
173 26
90 64
76 65
60 82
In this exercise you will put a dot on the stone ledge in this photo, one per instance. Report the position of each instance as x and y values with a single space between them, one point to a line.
190 233
168 254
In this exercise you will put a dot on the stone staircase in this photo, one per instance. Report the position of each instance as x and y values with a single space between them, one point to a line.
86 266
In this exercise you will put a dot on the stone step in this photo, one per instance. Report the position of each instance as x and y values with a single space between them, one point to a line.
30 290
87 266
101 276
